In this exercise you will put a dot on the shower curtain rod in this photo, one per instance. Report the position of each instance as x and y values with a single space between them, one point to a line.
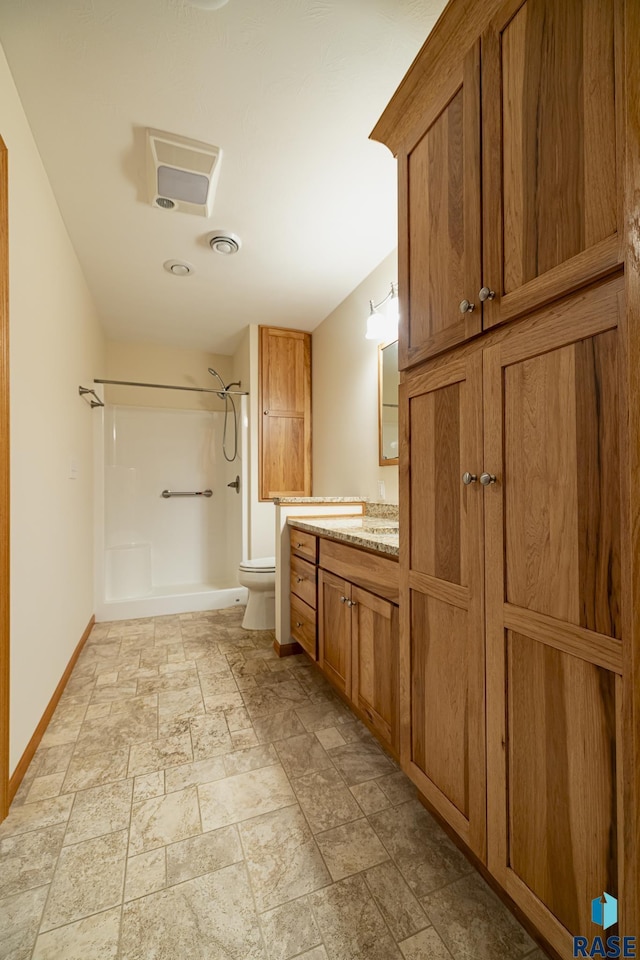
170 386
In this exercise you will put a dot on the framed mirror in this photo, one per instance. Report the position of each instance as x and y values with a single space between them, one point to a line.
388 383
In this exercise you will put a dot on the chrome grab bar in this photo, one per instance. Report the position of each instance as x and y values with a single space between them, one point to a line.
177 493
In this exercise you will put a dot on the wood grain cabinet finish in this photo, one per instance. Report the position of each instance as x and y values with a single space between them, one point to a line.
374 662
442 647
285 413
509 198
554 609
334 629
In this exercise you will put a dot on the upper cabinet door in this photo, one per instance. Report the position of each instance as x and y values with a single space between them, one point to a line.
285 413
551 151
439 229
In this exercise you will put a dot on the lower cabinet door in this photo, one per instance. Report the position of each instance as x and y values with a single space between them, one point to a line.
374 659
303 625
334 634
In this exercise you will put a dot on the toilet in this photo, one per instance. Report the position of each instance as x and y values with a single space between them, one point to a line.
259 577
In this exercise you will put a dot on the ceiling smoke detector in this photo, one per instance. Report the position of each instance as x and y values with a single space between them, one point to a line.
182 174
224 242
178 268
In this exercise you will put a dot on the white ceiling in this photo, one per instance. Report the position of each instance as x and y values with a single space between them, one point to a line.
289 89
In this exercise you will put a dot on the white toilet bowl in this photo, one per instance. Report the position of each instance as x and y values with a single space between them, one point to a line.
259 577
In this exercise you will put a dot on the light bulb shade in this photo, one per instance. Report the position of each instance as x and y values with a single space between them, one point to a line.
376 326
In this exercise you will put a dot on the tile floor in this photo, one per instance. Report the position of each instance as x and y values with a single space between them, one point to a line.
196 797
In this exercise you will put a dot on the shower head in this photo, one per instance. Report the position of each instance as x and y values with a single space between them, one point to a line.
214 373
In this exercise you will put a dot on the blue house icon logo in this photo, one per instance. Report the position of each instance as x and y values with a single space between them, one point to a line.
604 911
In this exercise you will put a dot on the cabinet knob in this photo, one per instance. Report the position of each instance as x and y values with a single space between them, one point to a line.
468 478
352 603
298 623
343 599
486 294
466 306
486 479
298 545
299 579
266 413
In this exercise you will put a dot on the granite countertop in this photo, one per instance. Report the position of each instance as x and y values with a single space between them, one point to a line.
285 500
373 533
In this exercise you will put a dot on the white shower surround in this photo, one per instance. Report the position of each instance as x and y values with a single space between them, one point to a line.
161 556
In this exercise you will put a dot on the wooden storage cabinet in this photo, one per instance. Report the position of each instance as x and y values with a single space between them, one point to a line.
285 413
335 629
548 181
303 590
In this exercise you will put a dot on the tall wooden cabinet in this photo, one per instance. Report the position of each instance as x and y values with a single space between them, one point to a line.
285 413
520 452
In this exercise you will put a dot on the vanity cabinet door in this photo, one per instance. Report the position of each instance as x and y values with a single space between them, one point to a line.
439 230
374 637
442 562
551 150
334 634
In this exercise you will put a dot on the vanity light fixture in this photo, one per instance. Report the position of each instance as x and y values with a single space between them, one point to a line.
384 326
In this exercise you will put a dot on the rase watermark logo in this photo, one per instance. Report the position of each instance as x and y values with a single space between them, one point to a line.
604 913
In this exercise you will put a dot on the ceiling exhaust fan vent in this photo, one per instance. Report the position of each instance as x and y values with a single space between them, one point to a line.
224 242
182 174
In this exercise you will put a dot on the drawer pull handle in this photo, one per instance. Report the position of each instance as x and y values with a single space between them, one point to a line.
299 579
298 623
299 544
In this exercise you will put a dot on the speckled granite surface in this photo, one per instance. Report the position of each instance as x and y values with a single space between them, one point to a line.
381 509
373 533
284 500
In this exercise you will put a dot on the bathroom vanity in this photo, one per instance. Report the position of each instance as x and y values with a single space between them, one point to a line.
344 591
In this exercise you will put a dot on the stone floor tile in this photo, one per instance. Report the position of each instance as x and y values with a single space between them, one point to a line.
99 768
36 816
370 797
96 711
425 945
29 859
241 739
237 719
419 847
359 761
203 854
351 925
325 799
253 758
278 726
160 754
402 912
149 785
302 754
330 737
350 848
217 921
282 857
146 873
43 788
318 953
190 774
289 929
89 878
243 796
116 691
94 938
210 737
474 924
318 716
181 703
162 820
19 922
100 810
51 760
397 788
62 733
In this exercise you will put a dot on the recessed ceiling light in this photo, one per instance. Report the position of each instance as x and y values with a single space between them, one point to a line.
208 4
224 242
178 268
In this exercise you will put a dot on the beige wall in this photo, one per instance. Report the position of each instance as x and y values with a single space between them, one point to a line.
345 397
157 363
56 344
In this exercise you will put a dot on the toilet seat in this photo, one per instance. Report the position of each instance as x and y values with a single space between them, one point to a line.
262 565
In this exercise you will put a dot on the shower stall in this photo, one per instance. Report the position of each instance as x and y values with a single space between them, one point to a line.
171 521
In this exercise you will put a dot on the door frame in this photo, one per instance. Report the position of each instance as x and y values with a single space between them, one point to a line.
4 482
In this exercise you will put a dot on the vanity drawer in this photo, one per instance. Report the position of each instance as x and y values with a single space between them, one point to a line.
304 544
303 580
303 625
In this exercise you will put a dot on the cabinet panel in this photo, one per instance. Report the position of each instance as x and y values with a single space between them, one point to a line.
374 626
442 173
549 134
303 580
562 499
561 778
442 642
334 629
303 626
285 413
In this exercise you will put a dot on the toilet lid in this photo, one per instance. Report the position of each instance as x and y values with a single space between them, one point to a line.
264 564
